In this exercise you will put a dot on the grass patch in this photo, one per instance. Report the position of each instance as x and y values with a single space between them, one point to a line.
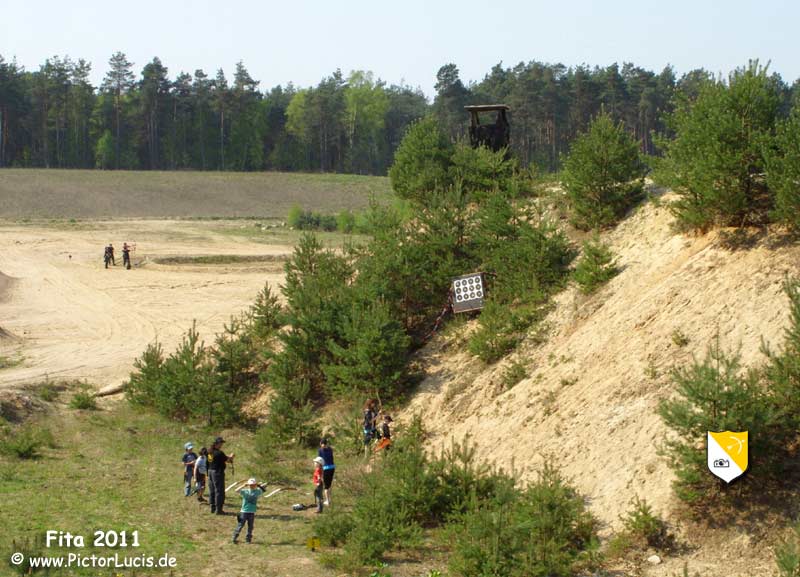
213 259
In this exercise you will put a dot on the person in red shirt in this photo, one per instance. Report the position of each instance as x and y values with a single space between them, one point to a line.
319 485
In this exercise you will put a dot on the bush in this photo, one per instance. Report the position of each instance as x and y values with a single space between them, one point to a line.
513 374
715 394
294 218
334 527
345 221
266 315
25 442
645 528
787 555
544 530
421 162
716 161
783 170
496 335
603 174
596 267
83 400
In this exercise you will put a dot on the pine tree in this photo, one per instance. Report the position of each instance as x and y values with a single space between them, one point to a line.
783 170
118 82
603 174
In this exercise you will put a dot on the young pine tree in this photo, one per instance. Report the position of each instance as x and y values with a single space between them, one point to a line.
603 174
596 267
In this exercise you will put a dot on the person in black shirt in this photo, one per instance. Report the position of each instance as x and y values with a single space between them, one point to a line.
126 256
217 461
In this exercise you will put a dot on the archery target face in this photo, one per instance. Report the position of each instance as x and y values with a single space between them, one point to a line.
468 292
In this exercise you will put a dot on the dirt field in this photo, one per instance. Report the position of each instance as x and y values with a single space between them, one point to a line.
35 193
68 317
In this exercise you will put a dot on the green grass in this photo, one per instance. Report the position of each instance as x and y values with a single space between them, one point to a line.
119 469
211 259
89 194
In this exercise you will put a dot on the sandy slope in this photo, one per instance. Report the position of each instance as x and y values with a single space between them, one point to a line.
74 319
590 399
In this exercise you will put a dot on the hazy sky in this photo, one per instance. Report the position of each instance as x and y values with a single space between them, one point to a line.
304 40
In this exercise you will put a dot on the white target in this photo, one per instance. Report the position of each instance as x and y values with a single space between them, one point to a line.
468 292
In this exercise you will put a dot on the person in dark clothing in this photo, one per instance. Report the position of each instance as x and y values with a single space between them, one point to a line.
188 459
217 461
126 256
107 256
328 468
386 434
111 254
370 416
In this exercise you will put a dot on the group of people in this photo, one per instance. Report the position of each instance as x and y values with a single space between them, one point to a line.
210 466
108 255
372 432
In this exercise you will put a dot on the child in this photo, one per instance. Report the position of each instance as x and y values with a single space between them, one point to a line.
319 484
200 471
386 434
187 461
250 495
328 468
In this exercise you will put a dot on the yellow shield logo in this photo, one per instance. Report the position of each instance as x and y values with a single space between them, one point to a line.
727 454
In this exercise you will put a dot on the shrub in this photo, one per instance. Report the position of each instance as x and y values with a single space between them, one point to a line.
596 267
345 221
294 218
25 442
716 161
645 528
496 335
783 368
83 400
787 555
603 174
334 527
481 171
421 162
715 394
266 315
513 374
783 170
544 530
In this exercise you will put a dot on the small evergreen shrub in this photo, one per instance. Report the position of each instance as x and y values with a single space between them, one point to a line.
25 442
787 555
596 267
513 374
83 400
644 527
783 170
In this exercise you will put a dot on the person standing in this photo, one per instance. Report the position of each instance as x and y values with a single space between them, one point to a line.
370 416
188 460
126 256
200 472
111 254
217 461
250 495
319 483
328 468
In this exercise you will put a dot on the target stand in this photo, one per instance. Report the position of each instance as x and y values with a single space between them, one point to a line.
468 292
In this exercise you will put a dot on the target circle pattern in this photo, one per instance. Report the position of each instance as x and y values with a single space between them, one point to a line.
468 289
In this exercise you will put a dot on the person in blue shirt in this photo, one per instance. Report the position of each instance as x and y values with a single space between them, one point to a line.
250 495
187 461
328 468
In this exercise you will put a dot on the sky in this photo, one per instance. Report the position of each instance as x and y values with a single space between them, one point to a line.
302 41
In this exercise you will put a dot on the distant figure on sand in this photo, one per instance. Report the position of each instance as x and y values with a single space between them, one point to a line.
108 255
126 256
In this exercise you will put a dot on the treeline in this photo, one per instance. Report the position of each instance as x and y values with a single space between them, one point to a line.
55 117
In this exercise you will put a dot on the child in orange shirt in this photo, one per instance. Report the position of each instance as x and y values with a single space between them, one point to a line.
318 483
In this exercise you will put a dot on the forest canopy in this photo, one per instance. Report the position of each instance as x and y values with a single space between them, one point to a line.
55 117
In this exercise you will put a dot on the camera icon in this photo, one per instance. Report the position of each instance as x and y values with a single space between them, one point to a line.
721 463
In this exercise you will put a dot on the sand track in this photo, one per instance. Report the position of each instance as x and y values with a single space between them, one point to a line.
74 319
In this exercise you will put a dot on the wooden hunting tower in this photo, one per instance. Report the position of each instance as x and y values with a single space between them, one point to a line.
494 136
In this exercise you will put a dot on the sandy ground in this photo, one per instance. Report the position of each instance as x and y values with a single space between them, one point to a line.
594 385
71 318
